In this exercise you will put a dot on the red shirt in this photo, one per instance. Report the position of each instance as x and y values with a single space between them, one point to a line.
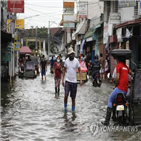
57 69
123 71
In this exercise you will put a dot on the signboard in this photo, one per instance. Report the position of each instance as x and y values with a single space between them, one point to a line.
6 56
15 6
68 7
16 46
83 9
68 17
19 23
68 4
68 25
126 3
115 18
105 33
68 10
139 8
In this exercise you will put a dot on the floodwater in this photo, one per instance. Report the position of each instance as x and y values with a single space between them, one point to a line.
30 112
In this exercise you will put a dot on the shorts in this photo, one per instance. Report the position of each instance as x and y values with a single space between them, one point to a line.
101 70
43 72
57 82
72 88
106 72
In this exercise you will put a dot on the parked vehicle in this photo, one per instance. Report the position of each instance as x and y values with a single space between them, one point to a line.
35 60
83 70
30 71
135 98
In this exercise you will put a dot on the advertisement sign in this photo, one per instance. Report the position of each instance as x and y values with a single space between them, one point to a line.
19 23
139 8
126 3
68 7
16 46
68 17
68 4
6 56
83 9
15 6
115 18
68 10
68 25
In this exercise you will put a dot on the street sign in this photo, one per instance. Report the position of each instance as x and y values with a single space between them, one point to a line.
16 46
15 6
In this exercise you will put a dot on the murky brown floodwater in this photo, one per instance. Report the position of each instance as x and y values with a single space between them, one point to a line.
31 113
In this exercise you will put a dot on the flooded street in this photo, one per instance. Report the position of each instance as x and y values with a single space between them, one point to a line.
30 112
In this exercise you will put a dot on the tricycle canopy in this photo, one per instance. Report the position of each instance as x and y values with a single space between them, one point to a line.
121 53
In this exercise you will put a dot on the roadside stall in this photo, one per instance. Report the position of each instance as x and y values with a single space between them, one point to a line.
83 70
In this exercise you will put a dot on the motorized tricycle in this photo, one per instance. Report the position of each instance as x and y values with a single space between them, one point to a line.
120 104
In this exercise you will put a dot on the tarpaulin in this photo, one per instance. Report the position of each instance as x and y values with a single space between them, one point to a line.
82 66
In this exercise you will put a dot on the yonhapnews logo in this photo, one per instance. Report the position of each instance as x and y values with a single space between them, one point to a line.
95 128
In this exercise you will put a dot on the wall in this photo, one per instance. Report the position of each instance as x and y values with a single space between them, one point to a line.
127 13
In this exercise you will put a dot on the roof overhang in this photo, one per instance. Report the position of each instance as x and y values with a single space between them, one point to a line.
81 29
132 22
5 37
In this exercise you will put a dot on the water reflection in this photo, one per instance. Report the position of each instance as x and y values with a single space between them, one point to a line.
5 91
69 125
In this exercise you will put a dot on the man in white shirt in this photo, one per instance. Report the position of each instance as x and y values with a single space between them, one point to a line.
70 67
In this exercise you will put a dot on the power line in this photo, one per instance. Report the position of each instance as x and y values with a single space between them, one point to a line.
42 12
43 6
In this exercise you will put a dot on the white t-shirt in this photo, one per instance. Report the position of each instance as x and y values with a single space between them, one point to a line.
114 73
71 67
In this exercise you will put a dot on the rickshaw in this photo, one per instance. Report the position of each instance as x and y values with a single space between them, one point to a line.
30 71
134 101
35 60
83 70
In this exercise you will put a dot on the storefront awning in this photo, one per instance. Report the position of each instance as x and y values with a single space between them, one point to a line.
81 29
91 31
5 37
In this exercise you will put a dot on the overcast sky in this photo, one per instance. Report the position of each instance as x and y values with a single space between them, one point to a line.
47 10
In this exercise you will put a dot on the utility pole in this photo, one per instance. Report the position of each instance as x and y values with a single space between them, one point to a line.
48 38
36 39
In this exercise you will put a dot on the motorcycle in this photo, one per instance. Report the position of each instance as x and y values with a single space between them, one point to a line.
120 109
97 81
89 68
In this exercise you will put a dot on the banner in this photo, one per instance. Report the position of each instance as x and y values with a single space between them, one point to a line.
16 46
68 7
126 3
19 23
15 6
83 9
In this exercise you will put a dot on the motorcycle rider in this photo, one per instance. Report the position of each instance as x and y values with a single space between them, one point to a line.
121 85
95 67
